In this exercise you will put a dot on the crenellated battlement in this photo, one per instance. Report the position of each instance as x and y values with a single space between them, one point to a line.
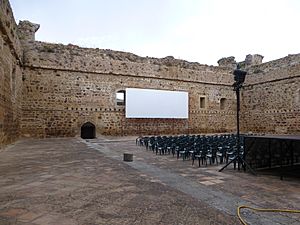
27 30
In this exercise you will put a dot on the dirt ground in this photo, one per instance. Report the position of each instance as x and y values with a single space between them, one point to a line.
73 181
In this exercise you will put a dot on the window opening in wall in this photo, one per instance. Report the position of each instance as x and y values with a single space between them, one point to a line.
222 103
202 102
120 97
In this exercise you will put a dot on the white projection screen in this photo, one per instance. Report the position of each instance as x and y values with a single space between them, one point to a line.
150 103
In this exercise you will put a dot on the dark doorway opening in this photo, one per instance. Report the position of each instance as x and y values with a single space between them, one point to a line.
88 131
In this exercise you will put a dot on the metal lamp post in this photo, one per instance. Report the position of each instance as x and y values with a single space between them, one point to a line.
239 77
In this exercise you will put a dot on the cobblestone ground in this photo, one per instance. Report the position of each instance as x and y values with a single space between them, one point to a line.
72 181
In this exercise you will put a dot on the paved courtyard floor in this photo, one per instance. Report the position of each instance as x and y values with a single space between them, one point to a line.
74 181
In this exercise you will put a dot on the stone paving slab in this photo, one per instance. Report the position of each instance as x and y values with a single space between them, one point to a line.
62 181
73 181
236 188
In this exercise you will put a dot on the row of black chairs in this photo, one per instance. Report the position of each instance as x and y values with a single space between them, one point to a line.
214 149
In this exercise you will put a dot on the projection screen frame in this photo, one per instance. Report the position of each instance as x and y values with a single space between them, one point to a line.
143 103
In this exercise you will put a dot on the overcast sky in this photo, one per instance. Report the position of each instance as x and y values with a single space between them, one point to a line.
195 30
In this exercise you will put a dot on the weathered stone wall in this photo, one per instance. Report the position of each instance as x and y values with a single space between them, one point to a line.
271 97
66 86
10 76
52 90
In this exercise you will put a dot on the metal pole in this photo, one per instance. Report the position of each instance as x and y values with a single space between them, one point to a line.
238 123
239 77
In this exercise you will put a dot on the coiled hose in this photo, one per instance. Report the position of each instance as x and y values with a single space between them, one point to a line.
262 210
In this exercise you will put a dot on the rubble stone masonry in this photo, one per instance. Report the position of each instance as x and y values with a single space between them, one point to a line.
10 76
271 97
53 89
66 86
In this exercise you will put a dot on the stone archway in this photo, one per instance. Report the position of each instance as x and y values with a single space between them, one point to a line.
88 131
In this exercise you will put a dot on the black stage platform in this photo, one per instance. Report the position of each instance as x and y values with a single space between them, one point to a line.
277 153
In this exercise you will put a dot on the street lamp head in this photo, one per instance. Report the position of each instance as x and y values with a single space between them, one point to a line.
239 76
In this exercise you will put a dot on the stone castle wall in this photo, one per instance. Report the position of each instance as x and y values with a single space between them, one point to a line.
271 97
66 86
52 89
10 76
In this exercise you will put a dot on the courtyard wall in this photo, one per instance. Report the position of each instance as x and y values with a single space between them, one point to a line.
10 76
271 97
50 90
66 86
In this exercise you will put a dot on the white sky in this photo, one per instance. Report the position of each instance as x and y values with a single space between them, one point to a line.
195 30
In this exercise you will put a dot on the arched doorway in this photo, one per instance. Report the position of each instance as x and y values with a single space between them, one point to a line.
88 131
